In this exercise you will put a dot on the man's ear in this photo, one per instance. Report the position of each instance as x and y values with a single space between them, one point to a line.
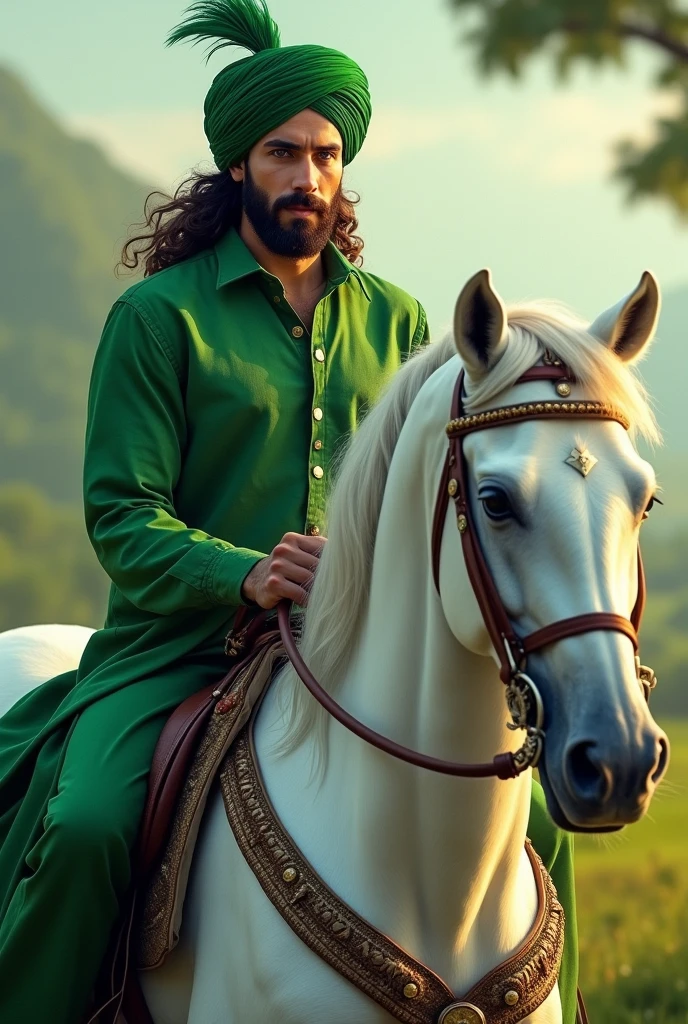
480 327
237 171
629 326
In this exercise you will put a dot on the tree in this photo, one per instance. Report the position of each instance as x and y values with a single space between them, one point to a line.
508 33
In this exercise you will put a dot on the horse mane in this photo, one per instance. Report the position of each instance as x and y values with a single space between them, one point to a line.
339 597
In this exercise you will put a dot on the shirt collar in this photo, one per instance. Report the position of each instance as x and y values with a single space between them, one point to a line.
234 261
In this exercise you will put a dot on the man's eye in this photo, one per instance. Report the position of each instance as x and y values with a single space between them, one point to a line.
279 152
496 504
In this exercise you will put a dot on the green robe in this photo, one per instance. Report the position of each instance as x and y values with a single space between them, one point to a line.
213 420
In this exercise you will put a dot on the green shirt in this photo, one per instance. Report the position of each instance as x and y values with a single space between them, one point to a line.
214 416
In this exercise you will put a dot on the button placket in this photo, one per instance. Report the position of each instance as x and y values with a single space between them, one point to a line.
317 462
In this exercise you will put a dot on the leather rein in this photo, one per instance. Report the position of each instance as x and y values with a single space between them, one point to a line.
523 700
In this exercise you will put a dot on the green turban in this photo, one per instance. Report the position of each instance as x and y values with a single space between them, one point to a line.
253 96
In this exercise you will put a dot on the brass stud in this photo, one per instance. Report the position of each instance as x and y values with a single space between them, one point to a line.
511 997
411 990
290 875
452 487
462 523
563 388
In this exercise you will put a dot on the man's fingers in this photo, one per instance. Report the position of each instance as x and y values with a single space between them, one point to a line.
293 592
313 545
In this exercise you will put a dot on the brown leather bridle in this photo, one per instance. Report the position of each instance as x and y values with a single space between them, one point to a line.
523 700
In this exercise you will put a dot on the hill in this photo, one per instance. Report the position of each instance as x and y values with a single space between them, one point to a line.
63 209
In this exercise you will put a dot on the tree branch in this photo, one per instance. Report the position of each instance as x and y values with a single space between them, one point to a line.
666 42
627 30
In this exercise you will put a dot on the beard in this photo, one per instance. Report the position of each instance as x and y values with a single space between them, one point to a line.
304 237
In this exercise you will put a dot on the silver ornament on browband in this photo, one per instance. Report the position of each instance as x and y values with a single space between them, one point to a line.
583 461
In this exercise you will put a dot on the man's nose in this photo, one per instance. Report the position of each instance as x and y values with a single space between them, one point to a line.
306 177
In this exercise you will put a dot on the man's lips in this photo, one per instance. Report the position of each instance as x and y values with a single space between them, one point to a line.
300 211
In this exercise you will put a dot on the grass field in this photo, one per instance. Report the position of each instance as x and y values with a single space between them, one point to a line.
633 908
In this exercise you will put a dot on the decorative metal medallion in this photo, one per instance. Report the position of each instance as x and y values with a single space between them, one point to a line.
462 1013
527 712
583 461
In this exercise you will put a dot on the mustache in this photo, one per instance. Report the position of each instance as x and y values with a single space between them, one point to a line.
306 201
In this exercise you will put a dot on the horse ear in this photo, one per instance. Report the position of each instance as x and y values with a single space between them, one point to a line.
630 325
480 327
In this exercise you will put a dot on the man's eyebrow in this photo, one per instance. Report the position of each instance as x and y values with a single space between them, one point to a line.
294 146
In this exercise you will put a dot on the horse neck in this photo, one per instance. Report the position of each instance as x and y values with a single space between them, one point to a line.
436 862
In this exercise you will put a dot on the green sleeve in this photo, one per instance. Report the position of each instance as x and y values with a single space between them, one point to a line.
556 849
135 439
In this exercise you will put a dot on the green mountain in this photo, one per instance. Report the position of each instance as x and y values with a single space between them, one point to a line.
63 209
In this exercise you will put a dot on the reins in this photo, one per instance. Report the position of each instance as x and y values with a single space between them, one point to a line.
523 699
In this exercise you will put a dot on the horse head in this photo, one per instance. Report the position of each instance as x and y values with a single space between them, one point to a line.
557 504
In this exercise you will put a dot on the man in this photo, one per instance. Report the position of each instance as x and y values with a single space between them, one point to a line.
223 384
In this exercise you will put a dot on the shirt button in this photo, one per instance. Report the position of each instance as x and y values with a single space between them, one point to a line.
319 355
317 445
276 298
317 414
318 472
297 332
313 531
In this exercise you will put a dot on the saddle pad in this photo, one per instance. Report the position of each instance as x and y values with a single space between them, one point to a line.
162 899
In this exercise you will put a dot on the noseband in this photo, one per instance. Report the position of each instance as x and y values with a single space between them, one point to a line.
523 700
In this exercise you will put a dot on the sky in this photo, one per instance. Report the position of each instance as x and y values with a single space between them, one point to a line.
456 173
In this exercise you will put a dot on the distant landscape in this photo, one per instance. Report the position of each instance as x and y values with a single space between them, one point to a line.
65 210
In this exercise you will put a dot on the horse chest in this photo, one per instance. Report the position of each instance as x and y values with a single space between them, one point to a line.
239 962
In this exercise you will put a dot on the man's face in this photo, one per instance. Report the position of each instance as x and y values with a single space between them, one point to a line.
292 185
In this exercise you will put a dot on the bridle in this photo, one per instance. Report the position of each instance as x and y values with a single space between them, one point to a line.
523 699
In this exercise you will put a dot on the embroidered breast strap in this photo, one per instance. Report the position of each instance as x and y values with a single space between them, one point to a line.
406 988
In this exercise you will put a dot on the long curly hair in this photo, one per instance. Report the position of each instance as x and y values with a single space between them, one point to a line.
202 209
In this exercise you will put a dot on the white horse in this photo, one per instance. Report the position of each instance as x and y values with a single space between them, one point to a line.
438 863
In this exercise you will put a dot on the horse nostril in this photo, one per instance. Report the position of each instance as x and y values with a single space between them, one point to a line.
661 760
587 777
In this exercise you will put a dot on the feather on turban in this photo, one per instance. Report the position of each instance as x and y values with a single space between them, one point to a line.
252 96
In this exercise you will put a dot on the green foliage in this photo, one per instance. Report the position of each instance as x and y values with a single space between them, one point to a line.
48 572
662 169
632 892
507 34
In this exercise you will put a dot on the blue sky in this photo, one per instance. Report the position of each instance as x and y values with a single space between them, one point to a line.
456 174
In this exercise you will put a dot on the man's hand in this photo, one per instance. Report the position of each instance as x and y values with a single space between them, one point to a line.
286 572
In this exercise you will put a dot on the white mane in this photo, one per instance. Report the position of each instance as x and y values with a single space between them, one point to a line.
339 597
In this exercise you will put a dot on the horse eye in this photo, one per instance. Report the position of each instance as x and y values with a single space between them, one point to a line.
654 500
496 505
